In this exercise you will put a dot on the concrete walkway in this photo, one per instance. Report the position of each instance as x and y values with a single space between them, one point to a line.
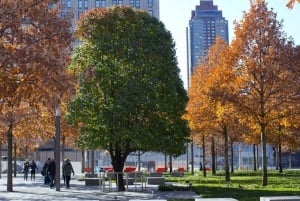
36 190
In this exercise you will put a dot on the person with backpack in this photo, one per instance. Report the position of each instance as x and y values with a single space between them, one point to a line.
67 171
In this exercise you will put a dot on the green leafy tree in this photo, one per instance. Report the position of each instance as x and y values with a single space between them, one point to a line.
130 96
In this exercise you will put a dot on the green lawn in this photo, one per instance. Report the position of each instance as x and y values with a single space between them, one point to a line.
244 185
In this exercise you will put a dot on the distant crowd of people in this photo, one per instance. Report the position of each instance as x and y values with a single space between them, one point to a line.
49 171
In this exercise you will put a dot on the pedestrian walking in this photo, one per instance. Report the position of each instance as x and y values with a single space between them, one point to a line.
67 171
44 172
26 169
33 167
51 172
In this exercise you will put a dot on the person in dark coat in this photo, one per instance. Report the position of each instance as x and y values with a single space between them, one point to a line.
67 171
33 167
26 169
51 172
45 172
62 170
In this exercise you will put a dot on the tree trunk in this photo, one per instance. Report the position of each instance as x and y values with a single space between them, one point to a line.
204 156
15 159
9 158
93 162
254 158
170 164
192 156
1 159
279 157
264 155
118 158
63 148
166 162
257 158
213 156
231 156
118 166
187 158
88 159
290 159
83 161
225 135
139 160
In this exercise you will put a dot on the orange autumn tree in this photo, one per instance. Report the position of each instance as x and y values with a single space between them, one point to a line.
291 3
205 111
35 49
267 83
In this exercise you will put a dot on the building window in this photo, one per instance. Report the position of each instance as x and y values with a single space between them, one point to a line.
69 4
97 3
63 14
114 2
137 4
150 3
120 2
150 12
103 3
131 3
80 4
86 4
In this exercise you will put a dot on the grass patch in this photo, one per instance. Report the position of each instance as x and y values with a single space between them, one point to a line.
244 185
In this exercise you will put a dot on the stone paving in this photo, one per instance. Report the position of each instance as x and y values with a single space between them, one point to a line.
36 190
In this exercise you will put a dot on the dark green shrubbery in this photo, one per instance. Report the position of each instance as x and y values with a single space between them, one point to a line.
165 187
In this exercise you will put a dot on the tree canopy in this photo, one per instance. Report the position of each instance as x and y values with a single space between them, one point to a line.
130 96
257 76
290 3
35 52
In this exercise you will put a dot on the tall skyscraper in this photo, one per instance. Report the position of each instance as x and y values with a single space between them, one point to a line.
80 6
205 25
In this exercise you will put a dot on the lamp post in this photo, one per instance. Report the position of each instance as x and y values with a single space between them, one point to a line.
57 148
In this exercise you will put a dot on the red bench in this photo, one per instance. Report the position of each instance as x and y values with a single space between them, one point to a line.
180 169
161 169
129 169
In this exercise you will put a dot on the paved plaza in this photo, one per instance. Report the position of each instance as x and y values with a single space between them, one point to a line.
36 190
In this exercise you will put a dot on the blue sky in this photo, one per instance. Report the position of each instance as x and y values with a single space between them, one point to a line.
176 14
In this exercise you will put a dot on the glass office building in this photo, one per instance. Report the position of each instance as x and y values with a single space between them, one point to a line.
205 25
